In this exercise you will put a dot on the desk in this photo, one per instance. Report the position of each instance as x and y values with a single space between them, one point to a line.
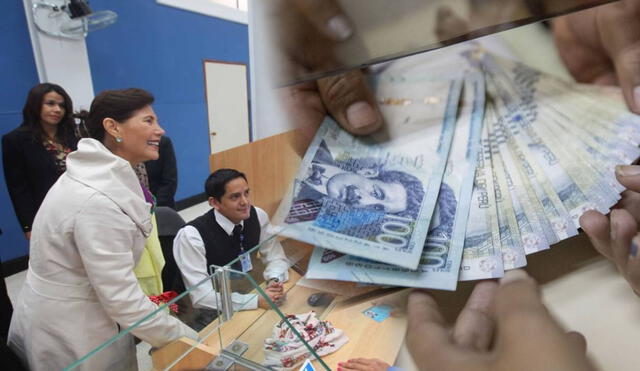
367 338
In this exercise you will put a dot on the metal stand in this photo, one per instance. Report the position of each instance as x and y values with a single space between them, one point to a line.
222 285
232 355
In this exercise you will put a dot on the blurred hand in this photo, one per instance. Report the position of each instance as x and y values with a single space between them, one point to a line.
363 364
306 35
276 287
503 327
275 292
602 45
346 97
616 236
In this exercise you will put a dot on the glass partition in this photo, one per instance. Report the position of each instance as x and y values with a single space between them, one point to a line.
233 316
273 325
203 322
255 321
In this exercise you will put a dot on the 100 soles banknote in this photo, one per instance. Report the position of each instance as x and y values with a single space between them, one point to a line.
442 252
373 197
530 154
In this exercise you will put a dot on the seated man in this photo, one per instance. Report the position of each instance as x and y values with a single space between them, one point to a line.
221 235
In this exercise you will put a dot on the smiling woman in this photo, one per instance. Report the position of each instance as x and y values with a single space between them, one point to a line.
34 154
87 239
124 121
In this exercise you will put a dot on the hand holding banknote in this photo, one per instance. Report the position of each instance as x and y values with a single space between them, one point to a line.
616 236
503 327
599 45
347 97
306 33
602 45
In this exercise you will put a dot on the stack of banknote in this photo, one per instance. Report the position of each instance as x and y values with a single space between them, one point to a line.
481 162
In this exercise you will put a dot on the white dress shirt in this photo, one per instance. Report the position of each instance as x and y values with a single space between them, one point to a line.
191 258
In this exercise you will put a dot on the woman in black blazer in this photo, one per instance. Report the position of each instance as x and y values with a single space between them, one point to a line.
34 154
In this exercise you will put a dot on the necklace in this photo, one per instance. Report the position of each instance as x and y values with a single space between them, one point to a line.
52 142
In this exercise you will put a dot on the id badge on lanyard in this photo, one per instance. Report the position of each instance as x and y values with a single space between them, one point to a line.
245 258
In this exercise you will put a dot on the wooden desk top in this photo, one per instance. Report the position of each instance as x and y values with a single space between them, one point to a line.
367 338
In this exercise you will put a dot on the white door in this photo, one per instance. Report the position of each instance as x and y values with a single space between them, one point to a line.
227 104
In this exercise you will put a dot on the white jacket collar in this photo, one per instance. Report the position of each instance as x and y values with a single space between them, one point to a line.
98 168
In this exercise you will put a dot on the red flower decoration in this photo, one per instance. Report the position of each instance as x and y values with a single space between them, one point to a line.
164 298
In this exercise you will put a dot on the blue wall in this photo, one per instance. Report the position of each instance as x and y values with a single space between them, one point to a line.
17 75
161 49
154 47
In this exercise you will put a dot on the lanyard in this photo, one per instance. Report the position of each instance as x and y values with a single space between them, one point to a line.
245 259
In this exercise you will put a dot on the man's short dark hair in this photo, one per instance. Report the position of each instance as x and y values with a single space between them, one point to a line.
217 182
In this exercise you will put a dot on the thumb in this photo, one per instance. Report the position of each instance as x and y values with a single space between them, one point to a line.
350 101
620 33
629 176
526 329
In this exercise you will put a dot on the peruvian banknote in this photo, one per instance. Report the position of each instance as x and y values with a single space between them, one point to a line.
513 199
509 104
482 253
579 186
547 154
442 252
373 197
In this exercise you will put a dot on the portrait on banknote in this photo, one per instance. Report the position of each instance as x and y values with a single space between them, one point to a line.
354 186
435 248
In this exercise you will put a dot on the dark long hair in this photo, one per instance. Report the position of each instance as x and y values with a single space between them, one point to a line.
33 109
119 105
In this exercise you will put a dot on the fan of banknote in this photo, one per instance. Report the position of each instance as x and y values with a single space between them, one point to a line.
482 162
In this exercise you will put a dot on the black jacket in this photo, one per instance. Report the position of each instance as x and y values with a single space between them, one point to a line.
220 248
163 175
29 171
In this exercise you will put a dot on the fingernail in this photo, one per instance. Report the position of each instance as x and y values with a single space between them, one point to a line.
361 114
634 248
339 368
627 170
514 275
339 27
614 224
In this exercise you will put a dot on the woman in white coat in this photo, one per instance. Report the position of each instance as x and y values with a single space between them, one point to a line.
86 239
